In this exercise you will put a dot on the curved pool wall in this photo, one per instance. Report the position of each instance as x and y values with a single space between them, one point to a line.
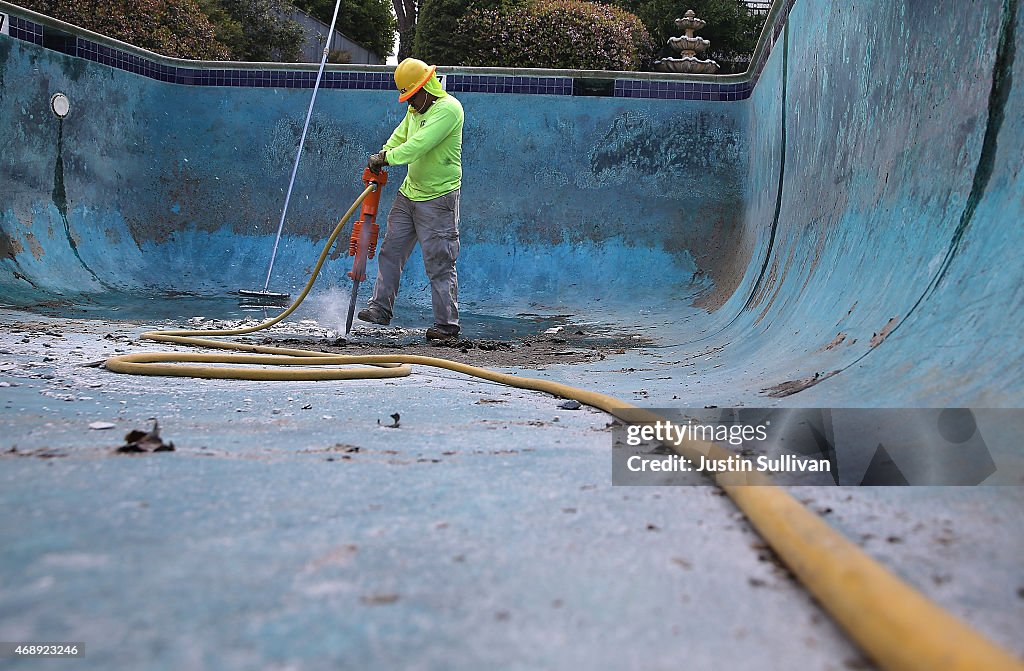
847 215
889 142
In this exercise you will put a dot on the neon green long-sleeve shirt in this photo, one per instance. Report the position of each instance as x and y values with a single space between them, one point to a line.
431 145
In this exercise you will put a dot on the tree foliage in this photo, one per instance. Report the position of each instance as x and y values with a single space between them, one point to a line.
406 12
436 41
436 19
253 30
554 34
731 29
368 22
176 28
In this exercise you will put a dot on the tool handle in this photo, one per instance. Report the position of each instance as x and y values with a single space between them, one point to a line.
371 202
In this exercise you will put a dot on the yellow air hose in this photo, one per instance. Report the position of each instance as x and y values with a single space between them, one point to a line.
897 626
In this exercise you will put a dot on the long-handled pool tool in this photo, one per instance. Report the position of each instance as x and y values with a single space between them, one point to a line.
265 293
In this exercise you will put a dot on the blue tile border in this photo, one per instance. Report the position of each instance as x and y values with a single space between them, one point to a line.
80 47
29 31
198 76
558 86
26 30
667 90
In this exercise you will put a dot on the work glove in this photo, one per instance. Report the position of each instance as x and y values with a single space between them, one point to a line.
377 161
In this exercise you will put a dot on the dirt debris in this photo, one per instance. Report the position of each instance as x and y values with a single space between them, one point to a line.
38 453
138 441
567 347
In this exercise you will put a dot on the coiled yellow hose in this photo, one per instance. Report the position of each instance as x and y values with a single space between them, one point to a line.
893 623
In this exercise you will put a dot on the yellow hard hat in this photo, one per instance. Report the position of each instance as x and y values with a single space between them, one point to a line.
410 76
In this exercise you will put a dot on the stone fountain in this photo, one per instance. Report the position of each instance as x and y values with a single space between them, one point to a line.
689 46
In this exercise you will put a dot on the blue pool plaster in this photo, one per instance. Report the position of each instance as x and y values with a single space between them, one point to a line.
850 211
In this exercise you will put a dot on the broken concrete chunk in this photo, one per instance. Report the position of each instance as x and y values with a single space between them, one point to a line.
571 404
100 426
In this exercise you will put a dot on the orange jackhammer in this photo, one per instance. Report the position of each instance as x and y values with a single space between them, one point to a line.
363 243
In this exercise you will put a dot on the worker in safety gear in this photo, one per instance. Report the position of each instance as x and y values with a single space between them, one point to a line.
426 209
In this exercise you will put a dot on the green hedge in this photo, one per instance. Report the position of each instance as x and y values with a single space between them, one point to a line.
436 41
553 34
175 28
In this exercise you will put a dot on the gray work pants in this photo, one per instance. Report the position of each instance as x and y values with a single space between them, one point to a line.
435 225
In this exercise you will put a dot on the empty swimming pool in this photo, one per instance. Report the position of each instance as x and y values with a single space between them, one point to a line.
838 228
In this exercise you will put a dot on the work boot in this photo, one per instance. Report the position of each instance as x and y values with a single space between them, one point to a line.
374 315
436 332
